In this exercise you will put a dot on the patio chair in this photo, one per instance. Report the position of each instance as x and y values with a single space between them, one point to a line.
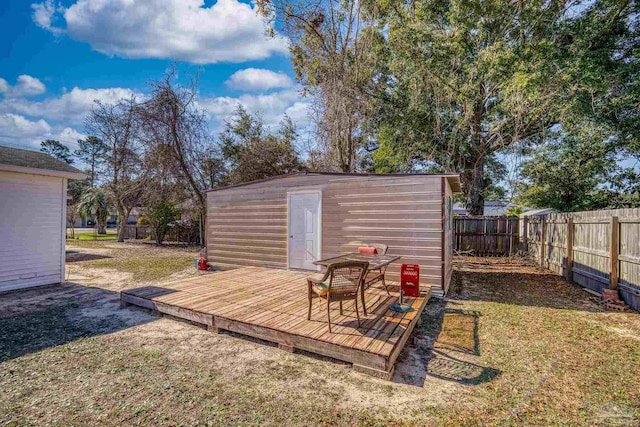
377 275
341 282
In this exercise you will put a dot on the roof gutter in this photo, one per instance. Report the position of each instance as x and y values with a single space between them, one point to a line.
43 172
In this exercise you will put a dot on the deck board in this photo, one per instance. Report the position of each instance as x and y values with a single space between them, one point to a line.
272 304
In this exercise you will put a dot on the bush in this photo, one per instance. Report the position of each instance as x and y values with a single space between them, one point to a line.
160 215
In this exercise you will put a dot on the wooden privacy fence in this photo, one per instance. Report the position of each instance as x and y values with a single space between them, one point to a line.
487 235
596 249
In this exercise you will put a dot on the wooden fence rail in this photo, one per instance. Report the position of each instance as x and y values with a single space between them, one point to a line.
487 235
596 249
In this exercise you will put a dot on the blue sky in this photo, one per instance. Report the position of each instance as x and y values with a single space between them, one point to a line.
56 57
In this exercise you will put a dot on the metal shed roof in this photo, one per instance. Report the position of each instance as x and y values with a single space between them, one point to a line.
454 179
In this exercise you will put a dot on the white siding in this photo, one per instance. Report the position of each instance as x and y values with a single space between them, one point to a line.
31 230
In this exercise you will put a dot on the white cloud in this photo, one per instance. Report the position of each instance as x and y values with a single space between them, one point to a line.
43 15
256 79
18 130
71 106
272 107
29 86
16 126
68 136
299 113
185 30
26 86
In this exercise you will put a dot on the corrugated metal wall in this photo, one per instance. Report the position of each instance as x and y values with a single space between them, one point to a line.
247 225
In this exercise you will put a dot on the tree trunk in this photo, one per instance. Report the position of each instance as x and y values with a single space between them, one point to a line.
102 226
122 213
473 187
160 235
202 226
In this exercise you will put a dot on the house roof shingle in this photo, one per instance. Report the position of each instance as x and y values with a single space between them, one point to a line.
33 159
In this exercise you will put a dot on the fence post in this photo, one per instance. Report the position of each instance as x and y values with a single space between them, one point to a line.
570 249
524 236
543 241
614 251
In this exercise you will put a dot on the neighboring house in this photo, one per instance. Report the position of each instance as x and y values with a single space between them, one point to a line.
491 208
290 221
112 220
535 212
530 213
33 195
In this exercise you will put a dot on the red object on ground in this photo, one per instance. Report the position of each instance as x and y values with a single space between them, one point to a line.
202 260
367 250
410 280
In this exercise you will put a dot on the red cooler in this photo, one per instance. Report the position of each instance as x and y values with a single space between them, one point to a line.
410 280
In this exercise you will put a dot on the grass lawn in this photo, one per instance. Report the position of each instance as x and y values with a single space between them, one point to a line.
145 267
512 345
92 236
144 262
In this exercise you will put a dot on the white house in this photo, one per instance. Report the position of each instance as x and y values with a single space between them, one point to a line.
33 195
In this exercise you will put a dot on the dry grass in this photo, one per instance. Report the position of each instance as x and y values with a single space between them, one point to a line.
145 262
513 346
145 267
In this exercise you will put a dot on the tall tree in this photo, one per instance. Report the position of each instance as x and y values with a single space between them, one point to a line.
251 152
92 151
56 149
465 79
173 117
118 127
570 173
331 53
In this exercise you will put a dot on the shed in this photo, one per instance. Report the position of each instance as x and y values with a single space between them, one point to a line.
290 221
33 195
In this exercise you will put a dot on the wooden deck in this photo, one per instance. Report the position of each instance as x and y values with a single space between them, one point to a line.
272 305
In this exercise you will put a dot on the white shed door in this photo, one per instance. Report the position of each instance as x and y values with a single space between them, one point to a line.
304 230
30 230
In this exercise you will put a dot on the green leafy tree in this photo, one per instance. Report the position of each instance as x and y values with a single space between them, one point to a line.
160 215
75 188
515 211
93 152
94 203
466 79
56 149
570 173
252 152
